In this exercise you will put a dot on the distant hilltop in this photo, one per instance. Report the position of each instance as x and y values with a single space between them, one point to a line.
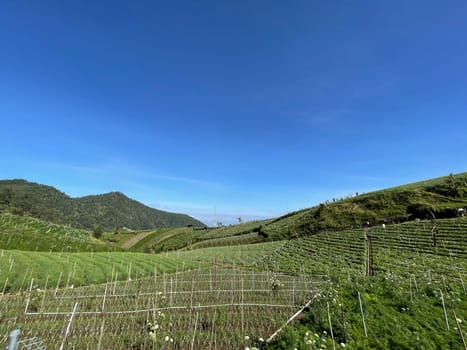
110 211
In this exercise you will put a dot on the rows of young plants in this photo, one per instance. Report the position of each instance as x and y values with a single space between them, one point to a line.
440 237
347 247
27 233
206 308
386 311
246 238
416 298
234 230
159 237
239 255
49 269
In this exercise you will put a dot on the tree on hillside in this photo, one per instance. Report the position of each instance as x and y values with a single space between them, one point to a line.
98 231
6 196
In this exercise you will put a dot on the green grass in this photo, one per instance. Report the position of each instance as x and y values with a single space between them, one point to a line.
241 255
202 308
18 268
156 242
26 233
401 302
204 291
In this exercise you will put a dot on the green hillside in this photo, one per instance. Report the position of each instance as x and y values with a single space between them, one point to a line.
31 234
358 285
108 211
430 199
236 297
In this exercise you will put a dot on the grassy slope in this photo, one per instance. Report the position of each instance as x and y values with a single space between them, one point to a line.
440 197
17 268
26 233
402 302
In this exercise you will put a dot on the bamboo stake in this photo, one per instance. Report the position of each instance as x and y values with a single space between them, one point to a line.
58 282
67 332
103 300
444 309
459 330
194 332
101 334
29 297
290 320
330 327
243 318
462 282
363 315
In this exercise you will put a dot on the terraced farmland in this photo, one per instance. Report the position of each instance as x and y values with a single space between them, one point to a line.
207 308
18 268
231 297
346 248
26 233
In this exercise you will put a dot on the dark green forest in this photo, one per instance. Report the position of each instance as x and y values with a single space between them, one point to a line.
109 212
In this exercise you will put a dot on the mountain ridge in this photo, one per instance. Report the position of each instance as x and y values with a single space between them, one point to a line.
109 211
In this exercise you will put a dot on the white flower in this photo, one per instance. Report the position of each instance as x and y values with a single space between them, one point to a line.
343 345
167 338
247 337
458 320
261 339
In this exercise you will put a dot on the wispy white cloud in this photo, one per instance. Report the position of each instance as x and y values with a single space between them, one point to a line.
128 171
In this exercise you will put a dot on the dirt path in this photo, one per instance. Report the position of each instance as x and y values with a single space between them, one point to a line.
132 241
169 234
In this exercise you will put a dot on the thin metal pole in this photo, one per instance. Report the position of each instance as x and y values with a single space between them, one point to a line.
363 315
13 339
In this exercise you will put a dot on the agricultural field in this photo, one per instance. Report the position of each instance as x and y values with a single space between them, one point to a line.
403 287
31 234
214 308
414 298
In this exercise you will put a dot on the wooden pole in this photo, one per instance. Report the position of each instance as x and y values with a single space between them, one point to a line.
67 332
330 327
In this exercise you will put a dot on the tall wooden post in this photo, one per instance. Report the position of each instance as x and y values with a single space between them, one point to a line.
368 253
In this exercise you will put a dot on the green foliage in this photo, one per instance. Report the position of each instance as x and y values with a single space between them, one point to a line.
17 268
110 211
98 231
26 233
436 198
402 304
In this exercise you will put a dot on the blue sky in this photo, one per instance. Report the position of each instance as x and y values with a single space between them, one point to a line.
222 109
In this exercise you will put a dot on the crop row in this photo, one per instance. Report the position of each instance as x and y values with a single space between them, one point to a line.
26 233
204 308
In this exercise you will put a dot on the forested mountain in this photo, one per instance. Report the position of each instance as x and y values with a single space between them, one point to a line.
109 211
